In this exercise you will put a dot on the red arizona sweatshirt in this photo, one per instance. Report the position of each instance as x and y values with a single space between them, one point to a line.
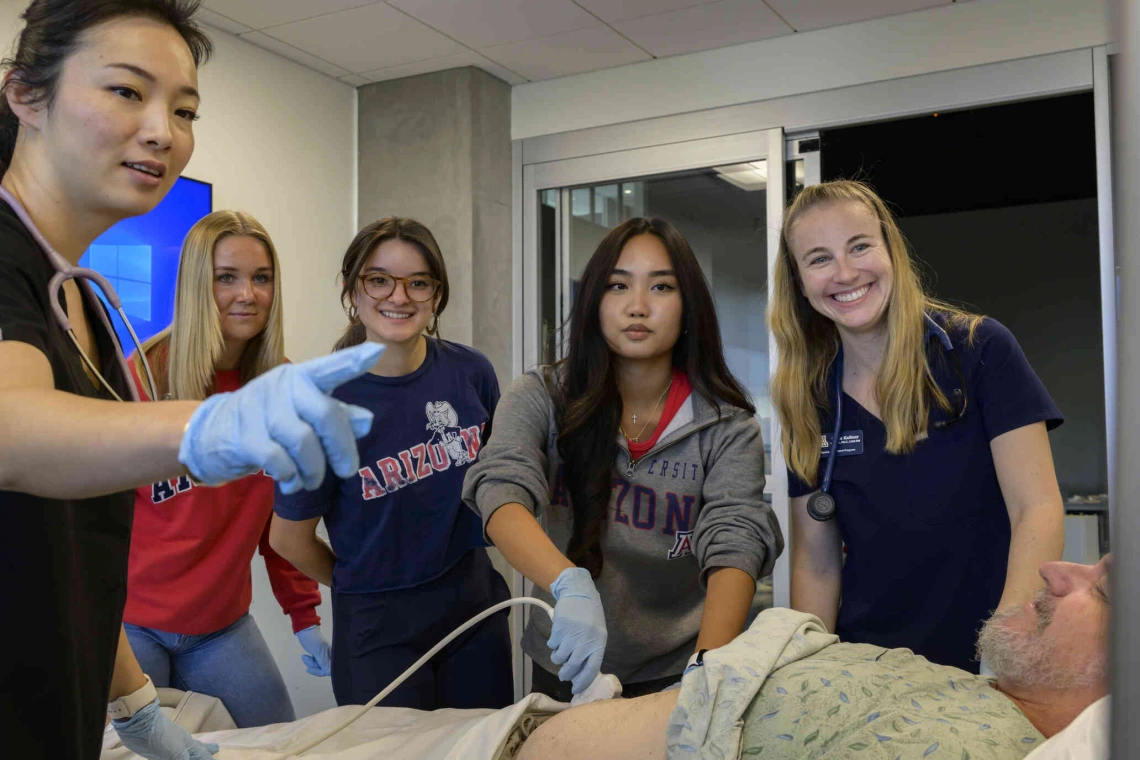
191 548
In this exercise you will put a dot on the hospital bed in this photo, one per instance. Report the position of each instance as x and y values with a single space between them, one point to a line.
393 733
396 733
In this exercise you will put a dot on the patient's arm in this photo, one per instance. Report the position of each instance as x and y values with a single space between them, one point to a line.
622 729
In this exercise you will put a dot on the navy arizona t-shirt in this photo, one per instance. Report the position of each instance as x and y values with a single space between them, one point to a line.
400 521
928 532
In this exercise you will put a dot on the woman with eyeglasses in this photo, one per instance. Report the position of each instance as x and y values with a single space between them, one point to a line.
941 485
408 562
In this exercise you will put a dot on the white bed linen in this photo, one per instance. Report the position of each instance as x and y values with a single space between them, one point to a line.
1086 738
392 733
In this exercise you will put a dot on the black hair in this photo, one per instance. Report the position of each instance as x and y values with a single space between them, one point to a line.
586 398
52 30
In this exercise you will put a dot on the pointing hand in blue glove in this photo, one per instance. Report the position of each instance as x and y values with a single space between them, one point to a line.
578 635
150 734
318 661
283 422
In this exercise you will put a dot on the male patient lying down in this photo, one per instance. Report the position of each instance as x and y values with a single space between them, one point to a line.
783 689
787 689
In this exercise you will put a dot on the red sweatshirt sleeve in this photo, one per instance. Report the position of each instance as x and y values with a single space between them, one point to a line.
297 593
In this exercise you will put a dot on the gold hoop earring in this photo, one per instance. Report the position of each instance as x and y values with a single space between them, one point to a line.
353 317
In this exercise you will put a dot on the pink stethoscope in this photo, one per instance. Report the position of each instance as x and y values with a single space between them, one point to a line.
65 271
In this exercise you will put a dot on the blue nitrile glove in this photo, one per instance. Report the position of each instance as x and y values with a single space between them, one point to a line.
283 422
578 635
318 661
150 734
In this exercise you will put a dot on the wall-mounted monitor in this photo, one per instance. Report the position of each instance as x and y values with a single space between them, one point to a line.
140 257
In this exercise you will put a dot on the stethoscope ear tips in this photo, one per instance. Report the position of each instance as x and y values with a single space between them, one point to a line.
821 506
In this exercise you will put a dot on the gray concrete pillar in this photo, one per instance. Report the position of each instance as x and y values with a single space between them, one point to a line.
437 148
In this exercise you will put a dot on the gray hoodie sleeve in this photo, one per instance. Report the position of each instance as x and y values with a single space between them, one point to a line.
512 464
736 528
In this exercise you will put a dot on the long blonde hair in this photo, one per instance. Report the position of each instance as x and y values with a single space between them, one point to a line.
185 354
808 342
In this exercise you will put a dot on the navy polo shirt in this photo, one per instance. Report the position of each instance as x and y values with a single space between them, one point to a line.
400 521
928 533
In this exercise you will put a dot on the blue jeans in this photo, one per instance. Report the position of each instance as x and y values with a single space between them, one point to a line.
233 664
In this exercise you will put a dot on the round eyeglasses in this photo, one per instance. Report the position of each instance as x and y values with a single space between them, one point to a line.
380 285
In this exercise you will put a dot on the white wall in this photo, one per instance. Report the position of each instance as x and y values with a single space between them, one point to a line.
277 140
948 37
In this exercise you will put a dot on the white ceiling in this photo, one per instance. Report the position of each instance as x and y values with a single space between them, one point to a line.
360 42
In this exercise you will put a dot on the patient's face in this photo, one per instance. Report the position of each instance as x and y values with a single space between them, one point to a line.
1060 639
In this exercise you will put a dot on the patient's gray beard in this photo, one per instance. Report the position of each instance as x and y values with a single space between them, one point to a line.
1027 660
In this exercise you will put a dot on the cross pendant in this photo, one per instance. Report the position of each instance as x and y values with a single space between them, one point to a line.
634 419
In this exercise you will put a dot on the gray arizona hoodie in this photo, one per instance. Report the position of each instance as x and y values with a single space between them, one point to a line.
692 504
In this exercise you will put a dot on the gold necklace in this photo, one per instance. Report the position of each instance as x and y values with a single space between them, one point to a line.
634 416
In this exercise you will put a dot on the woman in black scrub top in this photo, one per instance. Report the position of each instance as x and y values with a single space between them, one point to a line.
943 478
95 126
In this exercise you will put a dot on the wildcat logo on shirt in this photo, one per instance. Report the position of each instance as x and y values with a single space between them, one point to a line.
448 445
443 422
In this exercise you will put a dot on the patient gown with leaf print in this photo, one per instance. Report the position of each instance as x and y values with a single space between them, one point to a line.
784 689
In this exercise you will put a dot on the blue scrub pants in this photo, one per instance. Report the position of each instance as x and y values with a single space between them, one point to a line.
233 664
376 637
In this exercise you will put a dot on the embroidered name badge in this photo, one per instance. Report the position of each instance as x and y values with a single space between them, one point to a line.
850 444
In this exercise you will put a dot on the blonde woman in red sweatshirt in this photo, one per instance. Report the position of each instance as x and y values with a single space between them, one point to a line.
189 587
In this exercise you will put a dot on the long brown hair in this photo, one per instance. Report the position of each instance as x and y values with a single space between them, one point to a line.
808 341
586 398
357 255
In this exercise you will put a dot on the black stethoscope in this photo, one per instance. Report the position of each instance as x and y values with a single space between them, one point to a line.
64 270
821 504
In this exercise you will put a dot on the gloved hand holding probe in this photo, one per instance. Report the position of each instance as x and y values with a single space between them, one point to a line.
578 633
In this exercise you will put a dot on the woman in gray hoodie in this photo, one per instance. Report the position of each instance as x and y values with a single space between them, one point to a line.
626 479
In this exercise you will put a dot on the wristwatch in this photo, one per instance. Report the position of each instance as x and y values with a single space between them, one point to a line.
126 706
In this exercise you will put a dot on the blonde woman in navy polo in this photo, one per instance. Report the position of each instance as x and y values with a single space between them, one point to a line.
942 484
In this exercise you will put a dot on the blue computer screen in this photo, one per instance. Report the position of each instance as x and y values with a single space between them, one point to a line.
140 257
